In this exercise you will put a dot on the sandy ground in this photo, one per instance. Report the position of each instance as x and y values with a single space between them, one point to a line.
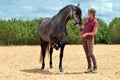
21 63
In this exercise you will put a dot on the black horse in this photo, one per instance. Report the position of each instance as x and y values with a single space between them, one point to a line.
53 32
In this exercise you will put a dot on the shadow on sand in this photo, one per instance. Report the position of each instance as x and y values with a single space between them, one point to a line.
47 72
36 71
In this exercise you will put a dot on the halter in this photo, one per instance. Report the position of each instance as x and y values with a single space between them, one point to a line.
74 19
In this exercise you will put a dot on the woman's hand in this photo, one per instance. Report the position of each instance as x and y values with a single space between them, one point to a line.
84 35
90 33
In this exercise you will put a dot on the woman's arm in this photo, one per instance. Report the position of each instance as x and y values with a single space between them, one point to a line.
91 33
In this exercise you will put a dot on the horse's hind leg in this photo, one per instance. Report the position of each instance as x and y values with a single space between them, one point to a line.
43 58
61 57
43 48
51 51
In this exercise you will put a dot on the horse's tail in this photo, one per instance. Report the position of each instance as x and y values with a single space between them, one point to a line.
46 49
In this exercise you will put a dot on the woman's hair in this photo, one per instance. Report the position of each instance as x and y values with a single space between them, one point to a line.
92 10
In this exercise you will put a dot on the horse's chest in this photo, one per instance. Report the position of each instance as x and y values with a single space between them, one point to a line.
60 31
61 34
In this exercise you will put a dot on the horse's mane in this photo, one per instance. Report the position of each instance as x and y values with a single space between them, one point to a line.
61 10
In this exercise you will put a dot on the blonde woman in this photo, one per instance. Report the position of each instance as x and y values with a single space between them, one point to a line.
87 34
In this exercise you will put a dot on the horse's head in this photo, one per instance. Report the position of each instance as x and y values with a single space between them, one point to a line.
76 15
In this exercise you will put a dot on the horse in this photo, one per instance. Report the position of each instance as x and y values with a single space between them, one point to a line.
53 32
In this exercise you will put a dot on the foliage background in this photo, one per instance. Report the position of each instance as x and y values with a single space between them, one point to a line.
24 32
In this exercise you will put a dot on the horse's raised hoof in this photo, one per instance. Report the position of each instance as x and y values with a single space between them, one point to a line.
51 66
61 69
56 47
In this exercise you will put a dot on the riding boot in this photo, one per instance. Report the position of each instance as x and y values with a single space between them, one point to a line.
89 69
95 69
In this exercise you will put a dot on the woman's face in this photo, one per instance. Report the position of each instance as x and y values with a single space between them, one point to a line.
90 14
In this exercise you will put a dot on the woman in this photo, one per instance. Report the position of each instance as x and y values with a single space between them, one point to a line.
87 34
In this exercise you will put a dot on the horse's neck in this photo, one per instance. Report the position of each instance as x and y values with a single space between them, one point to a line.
63 18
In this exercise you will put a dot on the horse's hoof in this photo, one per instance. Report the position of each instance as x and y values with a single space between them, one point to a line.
51 66
61 70
42 69
57 48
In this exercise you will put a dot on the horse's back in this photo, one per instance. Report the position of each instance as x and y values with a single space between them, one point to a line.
44 22
44 29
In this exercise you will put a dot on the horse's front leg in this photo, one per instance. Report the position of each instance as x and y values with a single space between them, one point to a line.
56 41
61 57
51 51
44 46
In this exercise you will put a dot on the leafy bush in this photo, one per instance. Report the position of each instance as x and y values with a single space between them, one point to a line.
114 31
18 32
102 34
73 34
24 32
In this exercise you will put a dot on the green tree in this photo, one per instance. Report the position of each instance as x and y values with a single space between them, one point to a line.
73 34
102 34
114 31
18 32
24 32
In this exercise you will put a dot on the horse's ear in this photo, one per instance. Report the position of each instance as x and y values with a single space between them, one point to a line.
78 4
